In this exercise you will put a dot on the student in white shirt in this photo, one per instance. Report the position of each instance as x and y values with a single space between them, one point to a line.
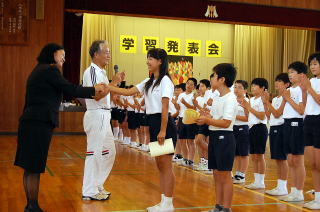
158 91
274 113
187 132
221 149
293 114
241 133
178 89
203 131
258 132
311 126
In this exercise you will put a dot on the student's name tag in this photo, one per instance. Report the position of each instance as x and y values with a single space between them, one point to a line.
157 150
221 137
294 124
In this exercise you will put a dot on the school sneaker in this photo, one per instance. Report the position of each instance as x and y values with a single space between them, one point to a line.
161 207
104 191
313 205
255 186
98 197
293 198
277 192
133 144
238 179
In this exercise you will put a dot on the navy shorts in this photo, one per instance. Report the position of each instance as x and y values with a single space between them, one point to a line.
258 136
186 131
241 134
293 136
311 130
122 115
133 120
277 146
143 119
155 124
221 150
204 130
114 114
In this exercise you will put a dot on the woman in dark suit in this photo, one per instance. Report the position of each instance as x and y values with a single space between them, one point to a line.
45 86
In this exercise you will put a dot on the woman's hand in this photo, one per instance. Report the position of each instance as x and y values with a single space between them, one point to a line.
161 137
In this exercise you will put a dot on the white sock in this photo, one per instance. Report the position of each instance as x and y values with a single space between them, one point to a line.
293 190
261 178
116 132
162 197
167 200
237 173
256 178
317 196
299 192
120 135
282 184
241 174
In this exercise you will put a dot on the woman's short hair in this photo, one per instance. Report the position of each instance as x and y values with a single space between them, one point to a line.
46 55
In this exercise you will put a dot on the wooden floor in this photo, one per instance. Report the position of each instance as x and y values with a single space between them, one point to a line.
133 183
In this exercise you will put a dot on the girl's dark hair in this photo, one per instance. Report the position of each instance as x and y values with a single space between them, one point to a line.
205 82
46 55
243 83
314 56
261 82
159 54
183 86
283 77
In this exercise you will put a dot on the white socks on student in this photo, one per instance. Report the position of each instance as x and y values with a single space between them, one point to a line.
317 196
115 132
282 185
166 201
259 178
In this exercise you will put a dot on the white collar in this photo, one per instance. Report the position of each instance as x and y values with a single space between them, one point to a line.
95 66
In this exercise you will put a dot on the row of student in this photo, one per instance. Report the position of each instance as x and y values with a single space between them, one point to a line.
251 129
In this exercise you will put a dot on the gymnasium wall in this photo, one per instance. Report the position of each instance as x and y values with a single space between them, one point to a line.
17 61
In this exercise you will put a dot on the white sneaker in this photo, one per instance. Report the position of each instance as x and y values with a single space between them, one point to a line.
314 205
255 186
104 191
161 207
98 197
292 198
133 144
277 192
239 181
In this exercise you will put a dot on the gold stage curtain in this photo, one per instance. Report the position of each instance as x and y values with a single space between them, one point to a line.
298 45
267 51
96 27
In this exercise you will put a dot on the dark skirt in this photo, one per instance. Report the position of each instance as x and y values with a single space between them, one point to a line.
34 139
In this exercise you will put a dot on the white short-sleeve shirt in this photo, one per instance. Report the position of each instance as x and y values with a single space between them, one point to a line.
130 101
296 96
276 103
224 107
153 99
188 98
256 104
94 75
312 107
201 101
241 113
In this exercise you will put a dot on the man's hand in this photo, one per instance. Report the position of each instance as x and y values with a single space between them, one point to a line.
101 90
118 78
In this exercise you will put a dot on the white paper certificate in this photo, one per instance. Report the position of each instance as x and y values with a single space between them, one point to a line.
157 150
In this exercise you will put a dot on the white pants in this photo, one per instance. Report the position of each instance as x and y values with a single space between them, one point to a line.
101 150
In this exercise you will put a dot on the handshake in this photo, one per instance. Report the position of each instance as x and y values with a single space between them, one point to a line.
102 89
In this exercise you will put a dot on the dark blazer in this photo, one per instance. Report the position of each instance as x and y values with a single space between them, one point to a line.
45 86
